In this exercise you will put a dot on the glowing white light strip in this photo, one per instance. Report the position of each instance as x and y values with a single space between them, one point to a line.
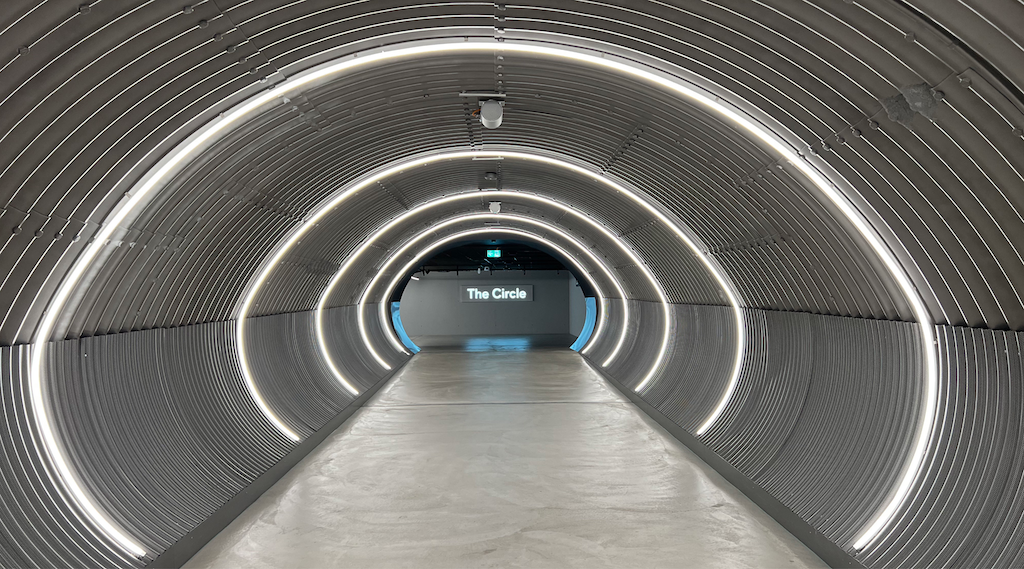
470 232
602 60
464 196
57 460
482 216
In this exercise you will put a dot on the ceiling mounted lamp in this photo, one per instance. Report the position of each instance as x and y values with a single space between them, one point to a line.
492 107
491 113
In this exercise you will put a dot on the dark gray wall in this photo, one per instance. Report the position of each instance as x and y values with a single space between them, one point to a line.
431 305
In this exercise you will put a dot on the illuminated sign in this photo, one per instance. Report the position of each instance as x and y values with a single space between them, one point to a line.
499 293
493 253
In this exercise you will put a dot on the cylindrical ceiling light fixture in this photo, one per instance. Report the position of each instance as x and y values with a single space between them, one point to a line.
491 113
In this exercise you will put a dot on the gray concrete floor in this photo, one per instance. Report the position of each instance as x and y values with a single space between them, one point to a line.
502 459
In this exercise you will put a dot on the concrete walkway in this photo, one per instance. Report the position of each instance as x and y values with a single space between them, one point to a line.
502 459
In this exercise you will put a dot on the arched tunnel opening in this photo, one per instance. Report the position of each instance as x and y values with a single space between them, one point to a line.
494 294
763 260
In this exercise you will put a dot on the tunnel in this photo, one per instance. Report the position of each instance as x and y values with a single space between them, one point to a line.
794 227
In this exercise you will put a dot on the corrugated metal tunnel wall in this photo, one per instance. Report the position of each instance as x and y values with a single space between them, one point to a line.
133 412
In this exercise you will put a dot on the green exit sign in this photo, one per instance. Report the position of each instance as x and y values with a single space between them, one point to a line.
493 253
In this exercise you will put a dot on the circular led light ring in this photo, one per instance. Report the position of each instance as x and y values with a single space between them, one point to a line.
383 308
174 161
407 245
321 337
463 196
470 232
451 221
623 296
55 454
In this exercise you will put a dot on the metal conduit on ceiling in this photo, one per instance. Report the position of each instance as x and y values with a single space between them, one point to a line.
914 110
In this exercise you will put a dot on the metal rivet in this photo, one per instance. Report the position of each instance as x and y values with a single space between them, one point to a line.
16 230
873 124
231 48
38 233
263 79
826 146
1018 131
253 71
203 23
840 139
76 238
218 36
910 36
856 132
965 81
939 95
187 10
23 50
57 236
84 9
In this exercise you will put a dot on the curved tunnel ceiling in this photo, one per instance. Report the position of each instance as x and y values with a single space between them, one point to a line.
913 112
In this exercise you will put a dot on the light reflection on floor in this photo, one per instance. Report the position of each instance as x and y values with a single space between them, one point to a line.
497 344
517 343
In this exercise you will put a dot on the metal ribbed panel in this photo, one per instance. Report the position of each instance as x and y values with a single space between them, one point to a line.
341 333
91 98
643 341
854 432
37 529
823 413
610 313
968 512
290 370
771 391
700 363
824 84
160 425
